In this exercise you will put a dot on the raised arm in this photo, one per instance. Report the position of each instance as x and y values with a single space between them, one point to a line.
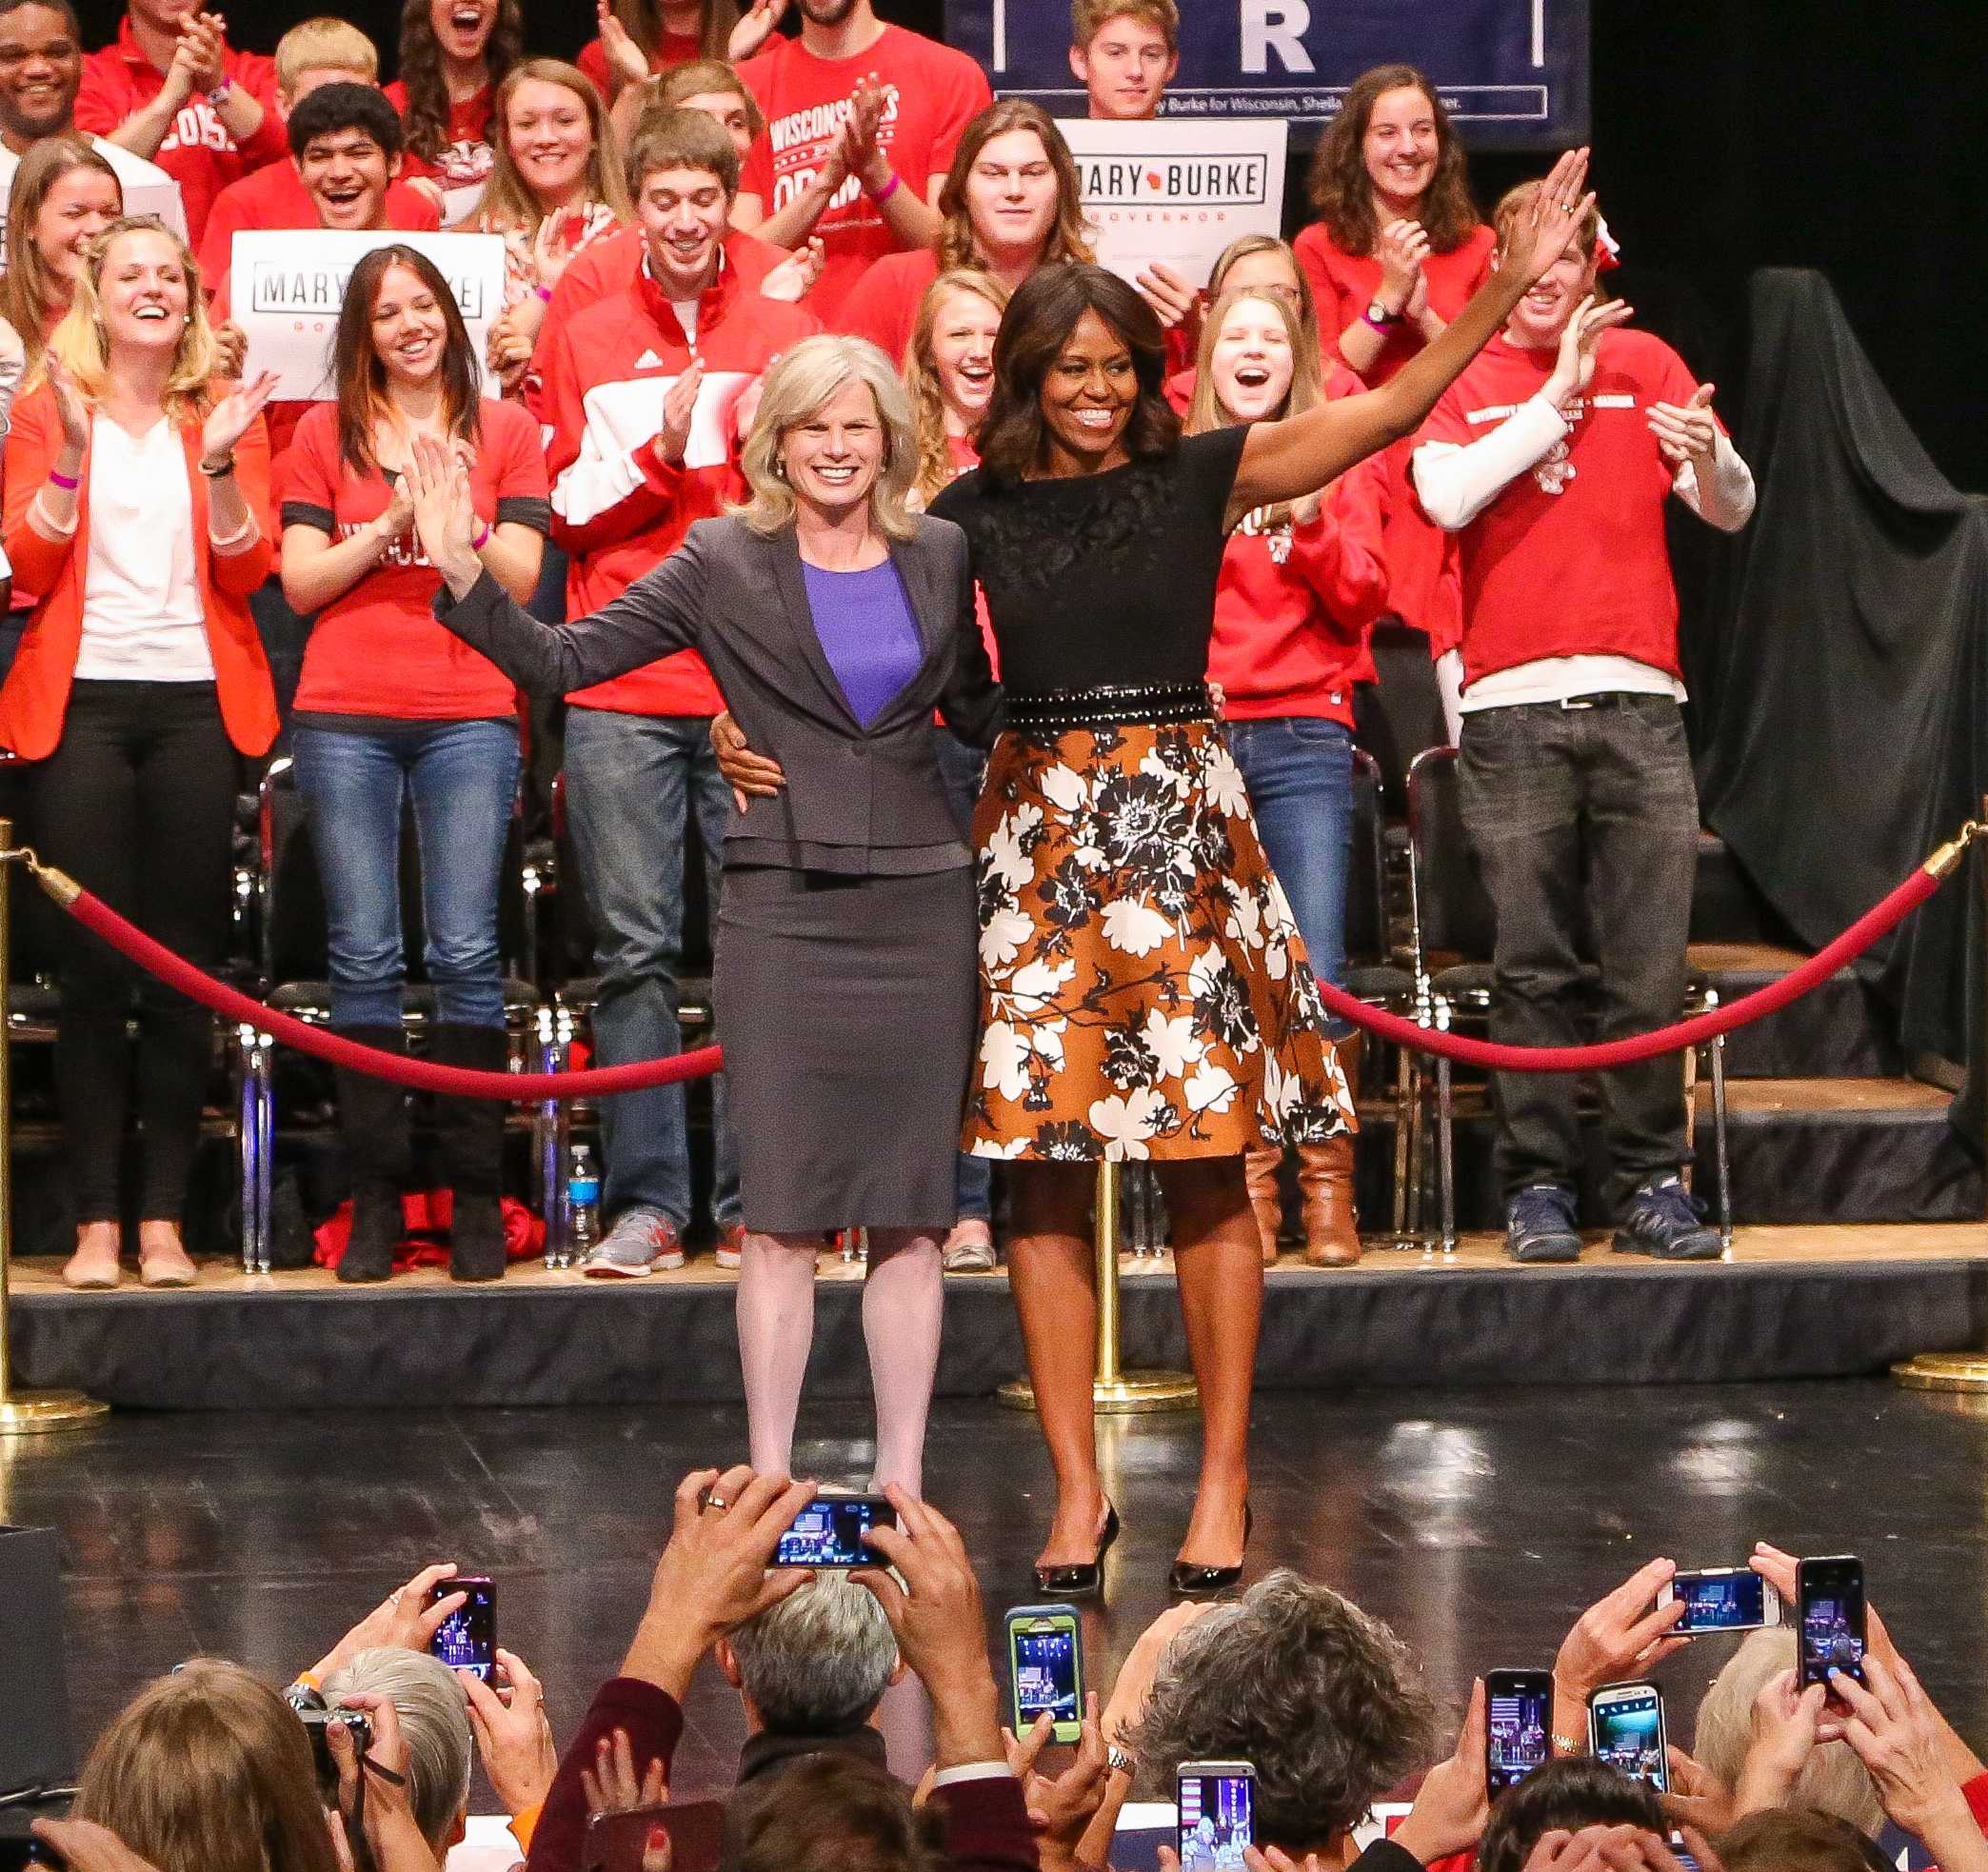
657 614
1285 461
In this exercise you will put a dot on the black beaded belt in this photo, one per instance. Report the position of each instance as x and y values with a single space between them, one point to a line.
1153 704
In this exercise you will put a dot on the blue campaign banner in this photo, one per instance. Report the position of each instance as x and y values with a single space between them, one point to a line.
1511 74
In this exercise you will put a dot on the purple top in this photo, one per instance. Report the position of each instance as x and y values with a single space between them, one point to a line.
868 632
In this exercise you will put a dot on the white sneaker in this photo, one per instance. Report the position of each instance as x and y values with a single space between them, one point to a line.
641 1242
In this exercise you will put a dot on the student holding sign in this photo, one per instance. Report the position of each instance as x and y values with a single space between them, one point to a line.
391 707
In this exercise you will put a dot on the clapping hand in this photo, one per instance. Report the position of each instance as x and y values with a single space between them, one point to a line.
795 276
70 408
445 522
231 350
1686 432
228 420
205 37
1559 208
1402 249
678 406
627 64
1574 367
862 152
1167 293
755 28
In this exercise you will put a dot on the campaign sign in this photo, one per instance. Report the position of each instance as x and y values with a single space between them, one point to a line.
284 288
1510 73
1176 192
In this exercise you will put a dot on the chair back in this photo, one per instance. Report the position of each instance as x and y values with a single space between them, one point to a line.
1451 912
1366 870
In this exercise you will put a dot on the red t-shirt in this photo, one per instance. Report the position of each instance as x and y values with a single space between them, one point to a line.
465 161
1569 559
884 307
197 151
672 49
1344 285
275 196
377 650
932 94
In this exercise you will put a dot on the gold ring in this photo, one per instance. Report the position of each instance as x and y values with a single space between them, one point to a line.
716 1501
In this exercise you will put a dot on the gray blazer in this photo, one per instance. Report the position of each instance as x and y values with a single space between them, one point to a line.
857 800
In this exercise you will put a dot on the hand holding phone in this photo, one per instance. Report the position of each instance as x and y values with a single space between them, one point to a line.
1518 1725
1721 1598
1214 1814
1045 1668
1830 1614
1625 1729
467 1640
828 1532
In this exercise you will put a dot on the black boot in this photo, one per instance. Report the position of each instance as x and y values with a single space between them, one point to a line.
372 1114
470 1133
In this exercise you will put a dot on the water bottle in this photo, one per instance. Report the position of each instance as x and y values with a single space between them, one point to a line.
583 1203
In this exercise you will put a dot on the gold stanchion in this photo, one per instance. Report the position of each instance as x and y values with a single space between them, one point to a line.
1114 1390
27 1412
1956 1371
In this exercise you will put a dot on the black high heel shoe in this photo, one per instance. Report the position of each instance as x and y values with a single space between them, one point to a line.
1188 1579
1086 1576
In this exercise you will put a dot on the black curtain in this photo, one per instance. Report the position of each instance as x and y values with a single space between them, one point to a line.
1838 668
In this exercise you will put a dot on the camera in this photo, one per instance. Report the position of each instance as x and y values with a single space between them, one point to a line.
316 1721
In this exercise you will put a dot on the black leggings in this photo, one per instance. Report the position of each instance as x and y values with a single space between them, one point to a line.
136 803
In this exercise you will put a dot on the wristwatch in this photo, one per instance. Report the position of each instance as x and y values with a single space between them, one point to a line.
1378 314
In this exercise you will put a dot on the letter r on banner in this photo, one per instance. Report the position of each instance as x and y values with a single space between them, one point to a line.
1276 25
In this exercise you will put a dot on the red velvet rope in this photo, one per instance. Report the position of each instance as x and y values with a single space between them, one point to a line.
424 1076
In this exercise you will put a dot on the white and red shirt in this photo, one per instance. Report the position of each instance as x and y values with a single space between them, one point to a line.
377 650
606 267
1560 516
931 95
598 384
464 164
197 151
884 305
275 196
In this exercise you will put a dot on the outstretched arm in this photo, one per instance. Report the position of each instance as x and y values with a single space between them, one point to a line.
1285 461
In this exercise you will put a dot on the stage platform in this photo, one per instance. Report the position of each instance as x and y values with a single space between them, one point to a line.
1809 1302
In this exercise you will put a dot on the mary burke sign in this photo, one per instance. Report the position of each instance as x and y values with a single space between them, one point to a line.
1512 72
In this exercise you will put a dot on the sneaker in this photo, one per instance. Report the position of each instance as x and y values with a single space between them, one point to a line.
641 1242
1665 1221
969 1250
1539 1224
731 1247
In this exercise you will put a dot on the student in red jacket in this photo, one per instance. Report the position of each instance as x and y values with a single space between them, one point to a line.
1553 459
1300 584
137 504
1010 202
642 396
454 55
390 707
171 89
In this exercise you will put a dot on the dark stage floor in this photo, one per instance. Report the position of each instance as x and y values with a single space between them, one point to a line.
1477 1523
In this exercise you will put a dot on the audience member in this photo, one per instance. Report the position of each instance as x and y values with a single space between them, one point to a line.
1565 1795
171 89
315 53
1251 262
392 711
64 195
949 373
1798 1840
1010 202
433 1714
41 71
137 504
454 56
863 121
1125 55
639 39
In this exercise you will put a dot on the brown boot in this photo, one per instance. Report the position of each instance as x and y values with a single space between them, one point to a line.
1326 1183
1259 1167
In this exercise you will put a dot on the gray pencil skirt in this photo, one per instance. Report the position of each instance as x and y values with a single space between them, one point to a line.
847 1009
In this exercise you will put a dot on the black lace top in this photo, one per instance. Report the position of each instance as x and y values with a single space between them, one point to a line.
1103 579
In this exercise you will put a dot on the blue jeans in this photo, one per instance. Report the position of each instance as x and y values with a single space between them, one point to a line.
1299 771
962 768
631 780
463 777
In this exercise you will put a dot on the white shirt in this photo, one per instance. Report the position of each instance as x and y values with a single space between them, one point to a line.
147 188
143 618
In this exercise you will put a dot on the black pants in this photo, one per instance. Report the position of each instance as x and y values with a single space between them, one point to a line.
1585 820
136 803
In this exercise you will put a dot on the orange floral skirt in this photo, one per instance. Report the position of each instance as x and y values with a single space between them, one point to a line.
1144 992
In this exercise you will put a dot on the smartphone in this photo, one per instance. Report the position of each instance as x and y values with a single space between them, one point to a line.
616 1842
1045 1668
1721 1598
1625 1728
1518 1737
467 1640
1830 1609
1214 1814
829 1531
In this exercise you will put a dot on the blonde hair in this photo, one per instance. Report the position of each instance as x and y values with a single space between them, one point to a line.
324 44
1246 246
1832 1781
812 374
935 466
706 77
434 1722
81 342
27 290
507 200
209 1768
1307 388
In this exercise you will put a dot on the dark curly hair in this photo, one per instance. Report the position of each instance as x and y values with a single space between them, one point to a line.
426 115
1322 1697
1342 191
1572 1791
1047 307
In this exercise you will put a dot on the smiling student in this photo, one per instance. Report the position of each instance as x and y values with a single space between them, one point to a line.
1125 55
454 55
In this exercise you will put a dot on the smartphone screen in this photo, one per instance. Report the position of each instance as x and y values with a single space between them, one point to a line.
467 1640
1724 1600
1044 1668
1518 1738
1832 1609
1625 1728
829 1531
1216 1815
